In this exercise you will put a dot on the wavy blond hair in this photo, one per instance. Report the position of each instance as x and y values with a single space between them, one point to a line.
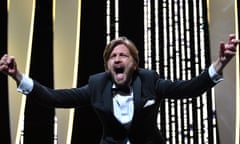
115 42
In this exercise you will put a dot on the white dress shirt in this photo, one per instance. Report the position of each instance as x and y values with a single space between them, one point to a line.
123 106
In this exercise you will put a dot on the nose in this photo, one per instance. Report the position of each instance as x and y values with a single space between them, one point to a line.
117 59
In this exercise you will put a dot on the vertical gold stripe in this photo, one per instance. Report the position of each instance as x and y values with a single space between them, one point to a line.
27 69
65 21
54 13
75 75
237 134
208 10
8 5
55 135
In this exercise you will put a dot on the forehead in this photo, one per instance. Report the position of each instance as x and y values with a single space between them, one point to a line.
120 48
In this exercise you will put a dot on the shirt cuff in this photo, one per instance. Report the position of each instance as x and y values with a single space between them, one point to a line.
216 78
26 85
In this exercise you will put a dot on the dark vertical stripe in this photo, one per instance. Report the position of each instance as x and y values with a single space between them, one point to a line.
87 128
206 33
173 70
5 137
173 57
187 127
199 62
204 27
153 37
161 65
39 120
161 37
131 24
191 42
170 121
211 113
193 69
169 68
168 43
198 36
180 65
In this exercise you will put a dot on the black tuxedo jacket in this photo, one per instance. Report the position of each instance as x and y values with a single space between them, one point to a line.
148 91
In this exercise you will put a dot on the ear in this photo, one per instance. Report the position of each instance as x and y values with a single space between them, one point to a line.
135 65
105 67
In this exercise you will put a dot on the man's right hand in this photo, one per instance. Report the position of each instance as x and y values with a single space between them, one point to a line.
8 66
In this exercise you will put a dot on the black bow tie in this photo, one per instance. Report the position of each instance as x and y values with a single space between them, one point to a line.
121 89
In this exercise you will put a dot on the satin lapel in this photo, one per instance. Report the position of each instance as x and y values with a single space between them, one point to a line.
137 94
107 95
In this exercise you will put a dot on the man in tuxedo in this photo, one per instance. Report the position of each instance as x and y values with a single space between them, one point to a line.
125 97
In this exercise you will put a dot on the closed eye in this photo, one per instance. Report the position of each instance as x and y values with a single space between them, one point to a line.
123 55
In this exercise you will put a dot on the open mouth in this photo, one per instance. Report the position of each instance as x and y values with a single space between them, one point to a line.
119 71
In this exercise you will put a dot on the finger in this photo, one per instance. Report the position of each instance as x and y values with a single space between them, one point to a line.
230 48
10 59
235 41
10 62
3 60
4 56
222 48
231 37
3 67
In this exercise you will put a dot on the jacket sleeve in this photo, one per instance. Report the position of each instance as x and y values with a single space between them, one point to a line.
60 98
184 88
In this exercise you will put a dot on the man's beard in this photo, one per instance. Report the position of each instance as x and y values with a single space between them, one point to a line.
125 78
